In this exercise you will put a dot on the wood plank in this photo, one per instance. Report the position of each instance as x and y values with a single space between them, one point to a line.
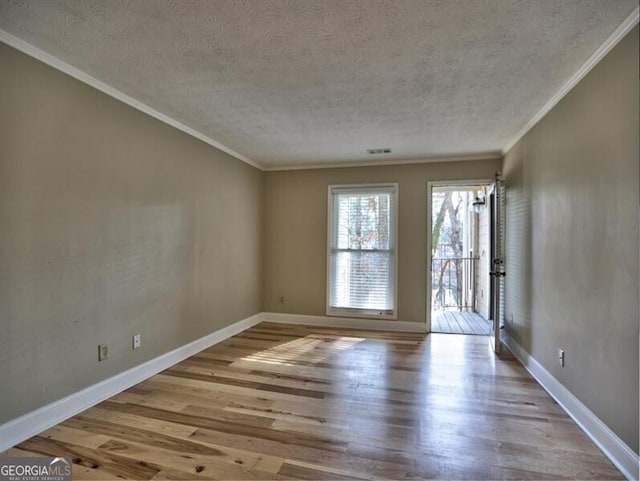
111 463
177 440
67 434
207 467
305 471
457 322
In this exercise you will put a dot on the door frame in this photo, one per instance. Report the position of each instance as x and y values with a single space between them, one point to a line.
430 185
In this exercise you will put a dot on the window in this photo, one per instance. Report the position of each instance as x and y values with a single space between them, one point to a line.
362 251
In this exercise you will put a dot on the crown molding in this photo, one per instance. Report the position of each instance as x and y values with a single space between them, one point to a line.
64 67
375 163
613 39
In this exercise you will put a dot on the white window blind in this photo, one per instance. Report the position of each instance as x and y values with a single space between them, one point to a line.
362 254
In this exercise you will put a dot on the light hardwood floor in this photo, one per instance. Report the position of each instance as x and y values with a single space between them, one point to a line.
289 402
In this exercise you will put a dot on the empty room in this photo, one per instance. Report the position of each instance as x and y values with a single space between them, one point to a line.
319 239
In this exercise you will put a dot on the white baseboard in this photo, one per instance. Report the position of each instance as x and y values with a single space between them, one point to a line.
344 322
624 458
34 422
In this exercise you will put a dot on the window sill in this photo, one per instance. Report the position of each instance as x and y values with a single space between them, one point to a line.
362 314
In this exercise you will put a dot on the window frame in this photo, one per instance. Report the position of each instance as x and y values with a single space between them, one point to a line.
393 232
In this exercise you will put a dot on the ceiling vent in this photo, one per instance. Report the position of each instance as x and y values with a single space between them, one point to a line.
378 151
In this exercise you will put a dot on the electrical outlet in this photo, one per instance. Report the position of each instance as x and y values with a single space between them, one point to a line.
103 352
561 357
136 341
281 299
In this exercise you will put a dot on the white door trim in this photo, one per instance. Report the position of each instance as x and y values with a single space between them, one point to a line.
430 185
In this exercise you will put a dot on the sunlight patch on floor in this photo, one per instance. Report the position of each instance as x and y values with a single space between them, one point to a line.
308 349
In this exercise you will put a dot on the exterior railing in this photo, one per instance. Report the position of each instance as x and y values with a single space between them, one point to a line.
453 283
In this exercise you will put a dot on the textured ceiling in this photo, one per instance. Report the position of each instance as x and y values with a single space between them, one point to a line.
294 82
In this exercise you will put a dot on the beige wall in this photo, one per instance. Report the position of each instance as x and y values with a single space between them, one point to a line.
111 223
296 231
572 240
